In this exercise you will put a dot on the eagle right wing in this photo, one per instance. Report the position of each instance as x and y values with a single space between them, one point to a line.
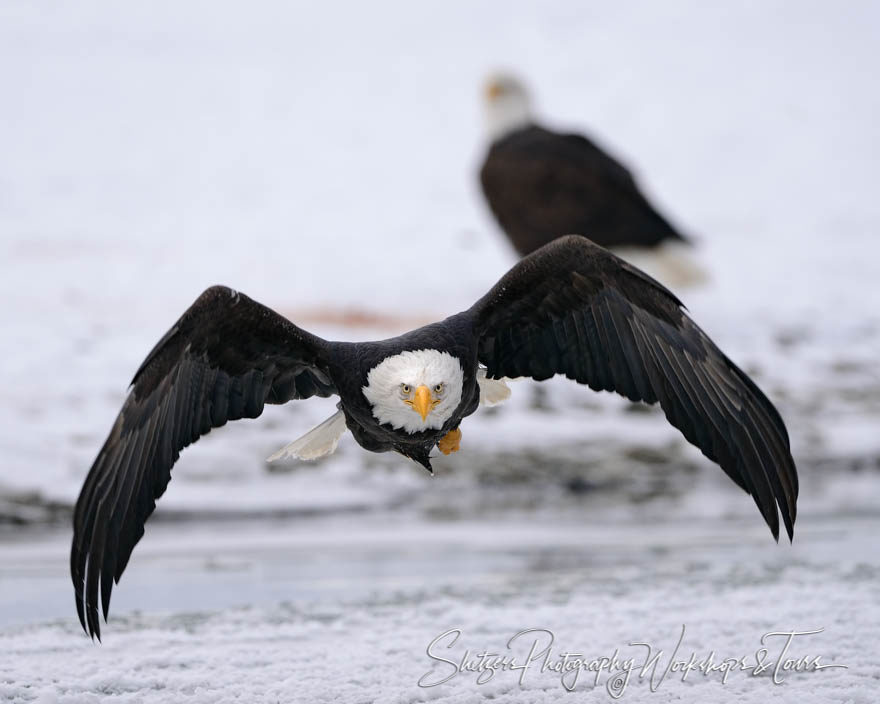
574 308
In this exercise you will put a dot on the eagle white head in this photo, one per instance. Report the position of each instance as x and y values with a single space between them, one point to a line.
508 106
415 390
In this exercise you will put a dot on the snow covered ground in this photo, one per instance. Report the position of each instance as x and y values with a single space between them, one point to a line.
323 159
344 611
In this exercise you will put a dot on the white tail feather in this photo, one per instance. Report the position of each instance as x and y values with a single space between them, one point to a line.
492 391
319 441
673 264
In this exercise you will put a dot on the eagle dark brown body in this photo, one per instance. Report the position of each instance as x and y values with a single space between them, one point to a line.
541 185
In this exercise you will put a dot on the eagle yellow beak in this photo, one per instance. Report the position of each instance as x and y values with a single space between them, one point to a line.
422 401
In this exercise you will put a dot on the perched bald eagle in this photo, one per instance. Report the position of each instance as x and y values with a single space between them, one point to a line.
542 184
570 308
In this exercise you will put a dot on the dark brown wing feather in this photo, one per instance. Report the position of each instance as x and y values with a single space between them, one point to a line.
573 308
541 185
223 360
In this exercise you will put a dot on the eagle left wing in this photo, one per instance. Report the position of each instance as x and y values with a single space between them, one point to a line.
574 308
224 359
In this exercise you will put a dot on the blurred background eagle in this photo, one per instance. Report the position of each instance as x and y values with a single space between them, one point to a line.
541 184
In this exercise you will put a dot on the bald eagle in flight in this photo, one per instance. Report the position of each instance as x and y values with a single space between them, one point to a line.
542 184
570 308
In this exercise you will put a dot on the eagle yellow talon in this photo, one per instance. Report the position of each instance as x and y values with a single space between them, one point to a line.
451 442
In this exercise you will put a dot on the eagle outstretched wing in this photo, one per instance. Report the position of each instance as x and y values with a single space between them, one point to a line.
224 359
574 308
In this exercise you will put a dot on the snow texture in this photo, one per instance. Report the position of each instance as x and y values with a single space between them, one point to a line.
322 158
357 628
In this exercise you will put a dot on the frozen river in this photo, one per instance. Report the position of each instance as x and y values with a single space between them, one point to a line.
344 609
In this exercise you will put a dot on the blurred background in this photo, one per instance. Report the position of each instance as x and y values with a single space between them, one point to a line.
315 157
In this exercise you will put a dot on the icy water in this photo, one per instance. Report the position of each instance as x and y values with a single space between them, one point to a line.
344 609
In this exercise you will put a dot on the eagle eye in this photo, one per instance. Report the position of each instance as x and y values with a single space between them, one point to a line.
438 389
